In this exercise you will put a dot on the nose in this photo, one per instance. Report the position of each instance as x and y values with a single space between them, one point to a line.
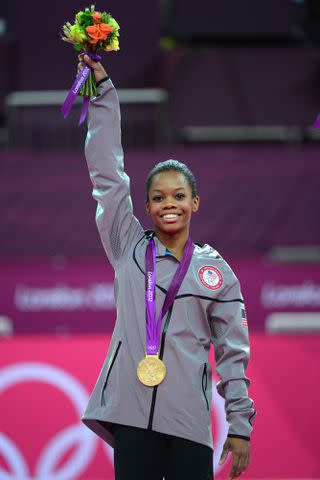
169 204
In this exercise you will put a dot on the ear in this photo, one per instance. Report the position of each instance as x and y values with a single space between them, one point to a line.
195 203
147 207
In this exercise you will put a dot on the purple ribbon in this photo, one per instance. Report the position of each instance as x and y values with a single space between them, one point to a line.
76 87
317 122
153 325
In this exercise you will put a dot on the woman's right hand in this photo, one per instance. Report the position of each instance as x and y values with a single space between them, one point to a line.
98 70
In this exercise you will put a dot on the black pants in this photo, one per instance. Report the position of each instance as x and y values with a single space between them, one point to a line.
141 454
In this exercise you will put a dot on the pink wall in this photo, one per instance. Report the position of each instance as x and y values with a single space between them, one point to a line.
45 383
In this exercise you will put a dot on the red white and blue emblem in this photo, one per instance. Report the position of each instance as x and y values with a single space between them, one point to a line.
244 321
210 277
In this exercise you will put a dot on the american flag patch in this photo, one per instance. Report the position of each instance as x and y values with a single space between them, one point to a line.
244 321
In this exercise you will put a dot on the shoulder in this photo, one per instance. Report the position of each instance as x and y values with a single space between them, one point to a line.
206 256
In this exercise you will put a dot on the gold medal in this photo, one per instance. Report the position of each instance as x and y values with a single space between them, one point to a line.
151 370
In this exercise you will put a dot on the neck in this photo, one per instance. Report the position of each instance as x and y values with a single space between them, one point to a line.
174 242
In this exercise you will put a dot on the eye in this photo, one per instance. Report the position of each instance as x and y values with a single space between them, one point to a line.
180 196
157 198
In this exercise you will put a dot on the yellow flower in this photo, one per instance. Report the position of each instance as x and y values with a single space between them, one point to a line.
77 34
114 46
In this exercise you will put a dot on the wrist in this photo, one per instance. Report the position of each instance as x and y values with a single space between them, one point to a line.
104 79
99 74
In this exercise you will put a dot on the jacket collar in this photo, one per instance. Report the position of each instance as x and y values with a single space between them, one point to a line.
160 248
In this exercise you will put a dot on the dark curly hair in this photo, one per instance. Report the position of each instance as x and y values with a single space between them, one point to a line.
175 166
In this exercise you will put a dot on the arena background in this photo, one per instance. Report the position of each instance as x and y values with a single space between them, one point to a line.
230 88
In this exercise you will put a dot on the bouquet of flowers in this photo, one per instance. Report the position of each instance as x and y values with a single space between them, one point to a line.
91 31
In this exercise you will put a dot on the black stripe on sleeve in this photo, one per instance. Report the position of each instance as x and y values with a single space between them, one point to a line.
102 80
232 435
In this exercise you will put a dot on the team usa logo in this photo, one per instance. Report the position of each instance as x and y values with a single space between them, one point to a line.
210 277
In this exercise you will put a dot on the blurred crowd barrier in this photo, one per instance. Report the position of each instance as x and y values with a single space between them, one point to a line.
35 122
199 95
225 65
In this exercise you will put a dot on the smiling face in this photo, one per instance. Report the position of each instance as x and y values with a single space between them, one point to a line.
170 203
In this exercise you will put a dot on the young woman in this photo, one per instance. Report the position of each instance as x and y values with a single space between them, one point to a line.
174 298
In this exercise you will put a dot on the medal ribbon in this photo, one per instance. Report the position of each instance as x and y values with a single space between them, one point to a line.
152 325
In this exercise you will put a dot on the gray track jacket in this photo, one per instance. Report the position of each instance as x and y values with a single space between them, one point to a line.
208 308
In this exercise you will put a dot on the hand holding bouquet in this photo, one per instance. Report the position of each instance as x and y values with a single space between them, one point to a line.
92 31
97 69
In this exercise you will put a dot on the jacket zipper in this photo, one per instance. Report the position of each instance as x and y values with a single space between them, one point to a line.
155 388
109 371
204 386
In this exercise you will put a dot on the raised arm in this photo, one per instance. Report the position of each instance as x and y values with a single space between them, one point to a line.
117 225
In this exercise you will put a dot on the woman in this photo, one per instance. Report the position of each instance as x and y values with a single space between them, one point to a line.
152 399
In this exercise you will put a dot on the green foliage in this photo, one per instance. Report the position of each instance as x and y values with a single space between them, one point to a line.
86 19
111 36
105 17
90 87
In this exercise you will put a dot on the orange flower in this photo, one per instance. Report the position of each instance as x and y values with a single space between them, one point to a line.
98 32
94 33
97 17
105 30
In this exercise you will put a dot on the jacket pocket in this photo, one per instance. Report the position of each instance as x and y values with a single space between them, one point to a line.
205 384
111 363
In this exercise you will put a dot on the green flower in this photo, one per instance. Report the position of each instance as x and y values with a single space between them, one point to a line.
79 17
114 24
77 34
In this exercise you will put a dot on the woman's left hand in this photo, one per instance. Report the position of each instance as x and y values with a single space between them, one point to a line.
240 449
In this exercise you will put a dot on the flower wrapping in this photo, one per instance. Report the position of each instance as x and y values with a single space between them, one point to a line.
91 31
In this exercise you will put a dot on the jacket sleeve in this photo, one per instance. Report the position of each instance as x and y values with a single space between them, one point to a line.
230 338
117 225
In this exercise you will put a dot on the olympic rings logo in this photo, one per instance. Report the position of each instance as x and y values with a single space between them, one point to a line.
77 434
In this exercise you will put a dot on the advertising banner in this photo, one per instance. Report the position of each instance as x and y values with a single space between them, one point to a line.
68 296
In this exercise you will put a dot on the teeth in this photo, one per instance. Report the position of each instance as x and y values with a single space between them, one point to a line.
170 215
